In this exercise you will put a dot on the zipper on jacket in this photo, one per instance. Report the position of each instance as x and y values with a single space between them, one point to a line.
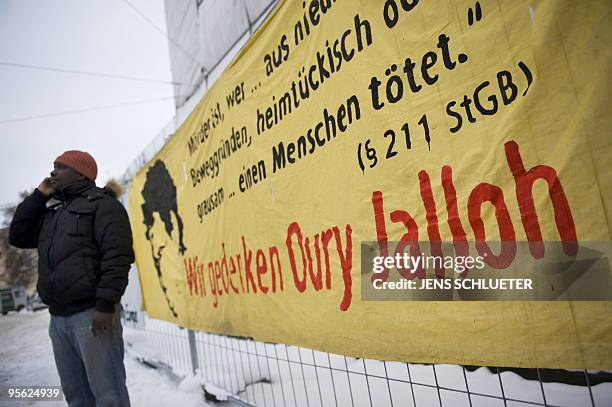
54 230
50 254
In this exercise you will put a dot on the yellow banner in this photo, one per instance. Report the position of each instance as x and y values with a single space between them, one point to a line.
342 122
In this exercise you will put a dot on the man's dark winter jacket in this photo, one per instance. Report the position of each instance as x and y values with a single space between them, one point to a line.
84 246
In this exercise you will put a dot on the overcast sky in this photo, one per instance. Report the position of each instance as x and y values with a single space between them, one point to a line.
105 36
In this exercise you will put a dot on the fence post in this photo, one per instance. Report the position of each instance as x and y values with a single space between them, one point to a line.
193 351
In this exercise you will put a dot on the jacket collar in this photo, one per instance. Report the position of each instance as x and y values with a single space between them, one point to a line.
69 192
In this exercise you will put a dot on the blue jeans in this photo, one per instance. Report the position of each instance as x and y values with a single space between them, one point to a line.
90 367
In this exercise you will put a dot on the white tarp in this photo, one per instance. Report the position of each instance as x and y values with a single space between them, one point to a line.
201 34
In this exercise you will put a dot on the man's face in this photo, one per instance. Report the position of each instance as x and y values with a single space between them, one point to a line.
62 176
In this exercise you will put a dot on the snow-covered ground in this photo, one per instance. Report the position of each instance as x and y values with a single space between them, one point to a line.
26 359
276 375
271 374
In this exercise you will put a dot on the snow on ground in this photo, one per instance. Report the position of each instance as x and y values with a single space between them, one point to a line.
26 359
271 375
279 375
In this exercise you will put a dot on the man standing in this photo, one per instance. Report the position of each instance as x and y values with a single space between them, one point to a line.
84 243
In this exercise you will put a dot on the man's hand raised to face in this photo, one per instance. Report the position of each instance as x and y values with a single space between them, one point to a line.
102 321
45 187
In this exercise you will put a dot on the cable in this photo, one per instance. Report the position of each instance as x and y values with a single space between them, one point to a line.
176 44
105 75
89 109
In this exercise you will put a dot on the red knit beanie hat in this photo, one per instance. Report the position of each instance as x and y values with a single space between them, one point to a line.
81 162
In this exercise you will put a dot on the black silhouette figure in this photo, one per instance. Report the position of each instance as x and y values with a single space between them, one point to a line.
159 193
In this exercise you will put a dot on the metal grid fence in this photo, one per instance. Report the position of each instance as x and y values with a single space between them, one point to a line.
278 375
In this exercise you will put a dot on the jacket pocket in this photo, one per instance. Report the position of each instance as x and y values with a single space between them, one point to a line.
91 273
80 222
65 288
